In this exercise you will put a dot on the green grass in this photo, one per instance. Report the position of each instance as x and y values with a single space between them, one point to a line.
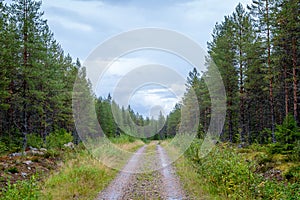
81 176
191 180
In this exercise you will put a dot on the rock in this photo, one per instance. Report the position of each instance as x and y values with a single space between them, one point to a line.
28 162
43 149
24 174
36 152
69 145
33 149
17 154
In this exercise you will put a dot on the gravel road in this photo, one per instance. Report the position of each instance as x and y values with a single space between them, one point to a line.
158 180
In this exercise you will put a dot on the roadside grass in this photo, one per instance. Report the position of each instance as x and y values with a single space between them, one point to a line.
81 176
191 180
131 147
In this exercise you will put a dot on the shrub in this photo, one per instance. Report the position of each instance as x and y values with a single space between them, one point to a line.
287 133
34 140
122 139
25 190
293 174
58 138
226 173
3 147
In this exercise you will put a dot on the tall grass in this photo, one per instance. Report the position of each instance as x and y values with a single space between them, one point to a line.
81 176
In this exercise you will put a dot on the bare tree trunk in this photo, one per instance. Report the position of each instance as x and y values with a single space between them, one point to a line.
271 98
286 92
295 102
25 85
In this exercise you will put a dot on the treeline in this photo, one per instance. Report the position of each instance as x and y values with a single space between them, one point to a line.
115 120
256 50
36 77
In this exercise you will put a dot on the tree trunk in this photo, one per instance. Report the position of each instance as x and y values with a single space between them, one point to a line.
271 98
295 102
286 91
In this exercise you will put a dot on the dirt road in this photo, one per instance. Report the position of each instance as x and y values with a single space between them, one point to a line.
158 180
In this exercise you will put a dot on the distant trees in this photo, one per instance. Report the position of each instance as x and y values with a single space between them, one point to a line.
115 120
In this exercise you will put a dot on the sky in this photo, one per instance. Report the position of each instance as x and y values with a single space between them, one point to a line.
82 25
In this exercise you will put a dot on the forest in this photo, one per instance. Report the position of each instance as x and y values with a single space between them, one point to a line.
256 49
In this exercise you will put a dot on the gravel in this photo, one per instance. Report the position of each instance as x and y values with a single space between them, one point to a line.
158 180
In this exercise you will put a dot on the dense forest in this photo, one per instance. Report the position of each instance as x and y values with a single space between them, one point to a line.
37 80
257 53
36 76
256 50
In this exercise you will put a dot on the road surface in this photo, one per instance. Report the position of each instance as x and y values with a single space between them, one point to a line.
158 180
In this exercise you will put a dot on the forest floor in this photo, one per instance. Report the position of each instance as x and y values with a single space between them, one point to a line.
146 176
18 167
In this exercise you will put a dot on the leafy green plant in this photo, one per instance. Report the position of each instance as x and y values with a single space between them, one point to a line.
3 147
25 190
58 138
34 140
288 132
293 174
226 172
122 139
13 170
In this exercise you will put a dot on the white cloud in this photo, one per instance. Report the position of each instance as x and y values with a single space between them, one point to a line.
72 25
153 98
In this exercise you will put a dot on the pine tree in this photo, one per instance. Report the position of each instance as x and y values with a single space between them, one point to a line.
287 41
263 12
244 40
222 52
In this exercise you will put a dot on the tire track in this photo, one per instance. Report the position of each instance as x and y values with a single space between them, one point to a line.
159 180
118 186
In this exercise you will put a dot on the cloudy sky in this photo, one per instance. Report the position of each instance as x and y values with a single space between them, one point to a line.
81 25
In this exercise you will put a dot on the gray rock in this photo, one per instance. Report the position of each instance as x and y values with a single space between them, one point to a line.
33 149
28 162
36 152
43 149
70 145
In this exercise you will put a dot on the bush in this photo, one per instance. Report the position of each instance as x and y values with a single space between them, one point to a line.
3 147
58 138
288 132
226 173
25 190
34 140
293 174
122 139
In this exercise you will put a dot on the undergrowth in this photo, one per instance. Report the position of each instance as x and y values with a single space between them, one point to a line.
80 177
239 173
25 190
